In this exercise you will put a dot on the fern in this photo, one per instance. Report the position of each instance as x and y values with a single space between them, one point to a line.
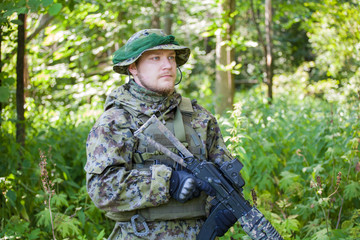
352 190
44 218
35 234
292 224
59 200
320 235
288 178
67 226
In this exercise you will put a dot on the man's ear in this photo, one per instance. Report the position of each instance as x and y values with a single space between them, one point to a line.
132 69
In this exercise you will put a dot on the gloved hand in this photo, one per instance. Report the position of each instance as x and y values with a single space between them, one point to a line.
224 220
184 186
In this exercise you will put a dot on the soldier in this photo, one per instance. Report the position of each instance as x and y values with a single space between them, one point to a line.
147 194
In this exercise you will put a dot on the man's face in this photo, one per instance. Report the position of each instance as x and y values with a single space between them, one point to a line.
156 70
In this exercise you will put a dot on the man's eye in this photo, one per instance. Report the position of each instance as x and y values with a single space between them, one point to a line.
155 58
171 57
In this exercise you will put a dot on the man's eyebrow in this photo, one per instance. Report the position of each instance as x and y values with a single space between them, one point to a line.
154 53
161 53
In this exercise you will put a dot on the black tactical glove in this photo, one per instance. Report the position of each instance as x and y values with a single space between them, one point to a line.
224 220
184 186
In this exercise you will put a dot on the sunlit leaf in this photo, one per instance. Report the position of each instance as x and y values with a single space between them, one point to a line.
55 9
4 93
17 21
46 3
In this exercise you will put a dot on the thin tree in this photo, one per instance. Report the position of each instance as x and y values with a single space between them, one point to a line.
0 70
266 45
224 83
169 10
269 47
155 18
20 66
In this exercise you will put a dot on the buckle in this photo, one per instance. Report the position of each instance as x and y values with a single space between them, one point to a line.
140 219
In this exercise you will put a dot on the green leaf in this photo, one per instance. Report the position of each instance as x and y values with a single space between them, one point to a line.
55 9
101 235
17 21
340 234
59 200
11 196
347 224
67 226
292 224
352 190
46 3
82 217
288 179
320 235
8 81
4 94
44 218
35 234
34 5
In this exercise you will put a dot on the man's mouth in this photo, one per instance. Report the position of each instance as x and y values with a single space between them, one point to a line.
166 76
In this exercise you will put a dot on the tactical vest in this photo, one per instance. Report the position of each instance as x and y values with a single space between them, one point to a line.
145 156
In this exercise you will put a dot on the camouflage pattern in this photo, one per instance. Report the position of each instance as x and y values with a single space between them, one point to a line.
174 230
113 184
257 226
182 52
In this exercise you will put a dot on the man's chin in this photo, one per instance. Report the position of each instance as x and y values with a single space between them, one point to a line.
165 92
167 86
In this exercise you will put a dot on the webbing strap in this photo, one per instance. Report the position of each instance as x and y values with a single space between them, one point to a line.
179 128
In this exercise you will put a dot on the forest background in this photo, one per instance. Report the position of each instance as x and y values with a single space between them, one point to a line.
282 77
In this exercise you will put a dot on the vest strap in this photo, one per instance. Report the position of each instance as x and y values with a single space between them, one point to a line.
179 126
186 105
172 210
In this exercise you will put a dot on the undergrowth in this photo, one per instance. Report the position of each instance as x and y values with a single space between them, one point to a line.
300 155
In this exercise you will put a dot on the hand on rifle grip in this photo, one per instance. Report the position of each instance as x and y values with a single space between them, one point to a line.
184 186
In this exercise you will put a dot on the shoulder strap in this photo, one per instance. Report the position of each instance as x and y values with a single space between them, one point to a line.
179 128
184 107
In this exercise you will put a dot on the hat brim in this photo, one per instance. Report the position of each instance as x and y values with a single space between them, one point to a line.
182 55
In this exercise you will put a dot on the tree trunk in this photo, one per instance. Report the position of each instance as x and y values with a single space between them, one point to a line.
155 19
224 83
169 10
269 55
253 17
20 65
0 72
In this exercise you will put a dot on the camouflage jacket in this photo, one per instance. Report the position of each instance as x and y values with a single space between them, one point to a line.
112 183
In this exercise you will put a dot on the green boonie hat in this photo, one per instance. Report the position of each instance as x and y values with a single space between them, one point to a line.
146 40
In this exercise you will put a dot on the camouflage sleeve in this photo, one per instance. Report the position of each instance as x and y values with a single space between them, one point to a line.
217 150
111 183
207 127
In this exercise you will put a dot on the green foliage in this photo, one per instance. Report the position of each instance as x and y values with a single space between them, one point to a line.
26 212
302 158
292 150
352 190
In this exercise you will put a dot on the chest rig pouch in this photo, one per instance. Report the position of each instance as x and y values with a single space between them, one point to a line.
145 156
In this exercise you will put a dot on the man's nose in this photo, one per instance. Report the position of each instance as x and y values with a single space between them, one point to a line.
166 63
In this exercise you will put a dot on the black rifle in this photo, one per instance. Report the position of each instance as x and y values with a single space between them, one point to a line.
227 183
